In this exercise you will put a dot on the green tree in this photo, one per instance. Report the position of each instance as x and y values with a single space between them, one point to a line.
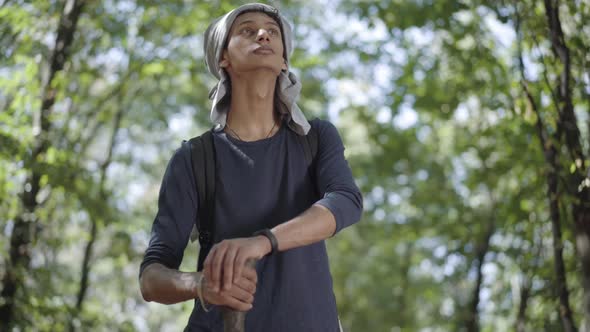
466 126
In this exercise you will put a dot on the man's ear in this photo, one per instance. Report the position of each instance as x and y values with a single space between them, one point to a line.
284 66
224 63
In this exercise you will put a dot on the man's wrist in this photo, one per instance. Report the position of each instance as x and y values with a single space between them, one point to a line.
201 291
270 241
199 284
265 245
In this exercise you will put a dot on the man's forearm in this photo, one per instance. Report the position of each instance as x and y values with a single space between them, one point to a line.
163 285
227 258
315 224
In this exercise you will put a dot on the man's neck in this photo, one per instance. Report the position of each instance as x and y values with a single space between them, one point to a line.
251 114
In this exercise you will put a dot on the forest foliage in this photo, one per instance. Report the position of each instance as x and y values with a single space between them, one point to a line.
466 124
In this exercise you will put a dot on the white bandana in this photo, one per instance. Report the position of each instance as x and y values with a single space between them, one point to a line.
288 85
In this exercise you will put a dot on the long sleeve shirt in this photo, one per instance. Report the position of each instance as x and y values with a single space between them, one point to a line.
259 185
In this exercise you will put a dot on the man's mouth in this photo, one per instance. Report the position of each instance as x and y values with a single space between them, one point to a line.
264 50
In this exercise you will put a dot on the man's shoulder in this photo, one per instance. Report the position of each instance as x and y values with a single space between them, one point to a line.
325 129
205 137
320 125
182 157
184 150
215 131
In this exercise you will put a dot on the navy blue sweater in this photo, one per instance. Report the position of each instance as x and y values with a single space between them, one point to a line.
260 185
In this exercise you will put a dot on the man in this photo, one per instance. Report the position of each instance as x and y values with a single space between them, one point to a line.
263 182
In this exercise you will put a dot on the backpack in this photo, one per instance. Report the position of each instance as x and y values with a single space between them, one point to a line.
203 164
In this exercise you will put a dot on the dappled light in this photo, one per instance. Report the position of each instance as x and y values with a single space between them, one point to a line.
465 124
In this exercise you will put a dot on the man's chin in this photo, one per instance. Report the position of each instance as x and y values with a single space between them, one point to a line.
260 69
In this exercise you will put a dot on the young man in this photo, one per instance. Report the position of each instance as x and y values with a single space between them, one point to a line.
264 183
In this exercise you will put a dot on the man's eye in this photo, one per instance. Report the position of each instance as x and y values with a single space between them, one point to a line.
273 32
247 31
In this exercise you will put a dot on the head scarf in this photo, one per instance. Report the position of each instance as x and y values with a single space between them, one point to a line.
288 87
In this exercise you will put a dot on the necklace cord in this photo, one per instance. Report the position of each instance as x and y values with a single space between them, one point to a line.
239 138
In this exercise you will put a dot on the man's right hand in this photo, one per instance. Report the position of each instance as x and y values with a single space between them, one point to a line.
239 297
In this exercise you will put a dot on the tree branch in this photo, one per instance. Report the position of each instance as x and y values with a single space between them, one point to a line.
550 153
103 196
566 109
115 92
548 85
525 286
482 249
21 238
578 190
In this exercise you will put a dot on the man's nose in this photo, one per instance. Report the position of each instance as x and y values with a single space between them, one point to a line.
263 35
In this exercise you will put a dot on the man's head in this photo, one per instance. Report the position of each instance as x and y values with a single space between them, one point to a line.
239 38
229 46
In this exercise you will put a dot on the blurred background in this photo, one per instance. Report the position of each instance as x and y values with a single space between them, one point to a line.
466 126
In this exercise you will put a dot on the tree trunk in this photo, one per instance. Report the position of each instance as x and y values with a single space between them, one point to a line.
472 322
525 293
578 186
551 158
24 225
526 283
405 312
565 311
582 218
550 153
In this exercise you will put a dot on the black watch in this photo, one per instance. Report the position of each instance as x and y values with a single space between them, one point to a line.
274 244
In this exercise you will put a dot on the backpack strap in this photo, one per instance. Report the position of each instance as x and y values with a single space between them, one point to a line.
313 142
203 162
310 144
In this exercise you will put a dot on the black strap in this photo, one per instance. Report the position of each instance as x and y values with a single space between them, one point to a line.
313 141
203 162
274 243
310 143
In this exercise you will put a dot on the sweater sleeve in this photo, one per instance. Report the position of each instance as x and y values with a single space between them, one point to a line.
177 210
334 178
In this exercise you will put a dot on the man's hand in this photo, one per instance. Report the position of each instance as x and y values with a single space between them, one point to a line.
225 263
239 297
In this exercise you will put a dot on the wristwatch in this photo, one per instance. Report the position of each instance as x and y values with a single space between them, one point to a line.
274 244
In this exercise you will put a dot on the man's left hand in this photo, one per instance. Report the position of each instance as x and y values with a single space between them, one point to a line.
225 261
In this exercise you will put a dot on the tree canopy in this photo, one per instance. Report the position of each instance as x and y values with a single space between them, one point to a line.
465 123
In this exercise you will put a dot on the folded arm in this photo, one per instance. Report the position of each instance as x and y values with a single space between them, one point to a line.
159 278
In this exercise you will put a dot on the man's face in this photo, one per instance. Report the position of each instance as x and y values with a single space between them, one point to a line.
254 43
